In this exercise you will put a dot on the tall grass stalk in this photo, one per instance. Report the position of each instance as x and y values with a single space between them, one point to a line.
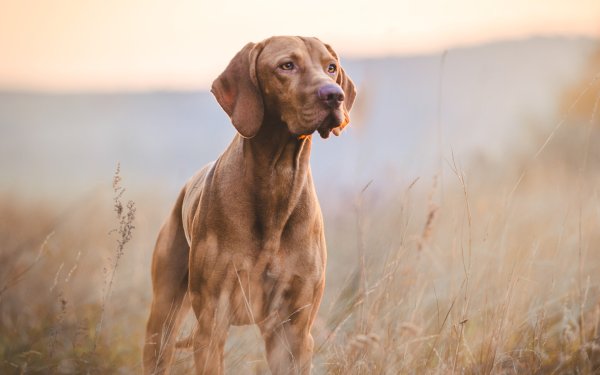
125 219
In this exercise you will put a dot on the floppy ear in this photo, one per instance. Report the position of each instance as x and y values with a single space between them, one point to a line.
347 85
237 91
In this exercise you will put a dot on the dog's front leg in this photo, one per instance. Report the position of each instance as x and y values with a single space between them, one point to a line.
211 279
288 341
289 349
209 344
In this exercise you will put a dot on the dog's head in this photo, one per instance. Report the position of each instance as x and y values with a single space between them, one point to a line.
297 81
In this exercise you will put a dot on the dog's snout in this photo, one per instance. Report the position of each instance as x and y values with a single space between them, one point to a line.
331 94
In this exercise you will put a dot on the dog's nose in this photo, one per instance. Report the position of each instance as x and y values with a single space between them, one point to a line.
331 94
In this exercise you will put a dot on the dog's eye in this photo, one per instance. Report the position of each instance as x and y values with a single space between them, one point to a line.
332 68
287 66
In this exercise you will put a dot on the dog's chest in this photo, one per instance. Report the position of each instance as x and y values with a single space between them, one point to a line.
270 287
278 200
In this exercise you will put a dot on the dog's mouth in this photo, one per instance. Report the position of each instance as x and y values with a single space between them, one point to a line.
334 123
323 120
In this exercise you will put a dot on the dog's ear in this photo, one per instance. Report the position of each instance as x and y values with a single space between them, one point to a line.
347 85
349 91
237 91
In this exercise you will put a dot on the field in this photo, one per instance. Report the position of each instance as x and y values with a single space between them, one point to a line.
488 266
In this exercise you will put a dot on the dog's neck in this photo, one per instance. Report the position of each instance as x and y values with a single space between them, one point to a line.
274 148
276 167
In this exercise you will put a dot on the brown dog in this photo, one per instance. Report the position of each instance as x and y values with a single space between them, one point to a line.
244 243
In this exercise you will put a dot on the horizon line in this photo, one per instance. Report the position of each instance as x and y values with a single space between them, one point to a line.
175 88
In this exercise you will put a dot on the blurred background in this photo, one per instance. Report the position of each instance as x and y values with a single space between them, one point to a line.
87 84
471 159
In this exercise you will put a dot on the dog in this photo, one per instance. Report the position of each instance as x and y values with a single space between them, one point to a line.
244 243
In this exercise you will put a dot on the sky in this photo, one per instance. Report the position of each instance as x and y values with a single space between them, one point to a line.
108 45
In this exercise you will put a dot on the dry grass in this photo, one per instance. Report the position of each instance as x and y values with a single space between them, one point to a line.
56 288
493 271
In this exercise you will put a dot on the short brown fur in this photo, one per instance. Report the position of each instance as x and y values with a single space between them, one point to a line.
244 243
